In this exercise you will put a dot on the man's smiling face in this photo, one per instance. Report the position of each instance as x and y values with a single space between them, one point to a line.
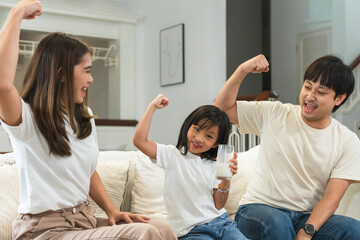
317 102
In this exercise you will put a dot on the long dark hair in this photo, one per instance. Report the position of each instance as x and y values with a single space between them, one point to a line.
334 74
48 81
206 116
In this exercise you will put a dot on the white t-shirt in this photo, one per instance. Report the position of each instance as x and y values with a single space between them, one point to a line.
188 188
295 161
49 182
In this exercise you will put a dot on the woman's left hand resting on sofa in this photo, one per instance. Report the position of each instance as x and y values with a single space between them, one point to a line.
117 216
99 195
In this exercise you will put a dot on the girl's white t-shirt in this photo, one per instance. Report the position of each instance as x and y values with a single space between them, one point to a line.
188 188
49 182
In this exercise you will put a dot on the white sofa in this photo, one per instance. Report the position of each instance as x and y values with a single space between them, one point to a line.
135 184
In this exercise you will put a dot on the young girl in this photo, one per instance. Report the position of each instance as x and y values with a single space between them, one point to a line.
53 135
193 197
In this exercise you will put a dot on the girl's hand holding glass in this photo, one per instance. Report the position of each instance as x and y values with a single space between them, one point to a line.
225 156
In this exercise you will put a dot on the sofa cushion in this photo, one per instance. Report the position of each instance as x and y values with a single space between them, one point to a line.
113 169
246 166
9 198
147 193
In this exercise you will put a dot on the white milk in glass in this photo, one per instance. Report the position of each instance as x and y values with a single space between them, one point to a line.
225 153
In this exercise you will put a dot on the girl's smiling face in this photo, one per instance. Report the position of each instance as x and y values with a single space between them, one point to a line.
201 140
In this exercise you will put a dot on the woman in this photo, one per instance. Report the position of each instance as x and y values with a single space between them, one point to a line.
53 135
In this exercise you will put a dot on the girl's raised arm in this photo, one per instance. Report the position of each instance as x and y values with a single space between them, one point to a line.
141 140
10 103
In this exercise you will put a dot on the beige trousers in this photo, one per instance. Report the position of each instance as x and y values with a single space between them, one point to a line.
79 223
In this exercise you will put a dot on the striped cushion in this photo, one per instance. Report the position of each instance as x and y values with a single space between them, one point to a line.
9 198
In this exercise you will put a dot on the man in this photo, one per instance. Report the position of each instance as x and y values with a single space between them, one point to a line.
307 159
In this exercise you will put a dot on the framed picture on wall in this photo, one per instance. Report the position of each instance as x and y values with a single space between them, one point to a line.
172 55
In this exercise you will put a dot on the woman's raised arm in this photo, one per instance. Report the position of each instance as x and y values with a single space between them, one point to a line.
10 103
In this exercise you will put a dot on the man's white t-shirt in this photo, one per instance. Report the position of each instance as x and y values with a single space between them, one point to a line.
188 188
49 182
295 161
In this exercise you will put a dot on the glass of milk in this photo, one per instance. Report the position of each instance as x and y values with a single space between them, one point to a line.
224 154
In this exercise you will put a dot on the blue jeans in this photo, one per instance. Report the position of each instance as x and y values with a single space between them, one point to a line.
260 221
219 228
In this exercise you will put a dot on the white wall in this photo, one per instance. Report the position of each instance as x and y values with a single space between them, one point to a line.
346 25
205 70
352 33
290 18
